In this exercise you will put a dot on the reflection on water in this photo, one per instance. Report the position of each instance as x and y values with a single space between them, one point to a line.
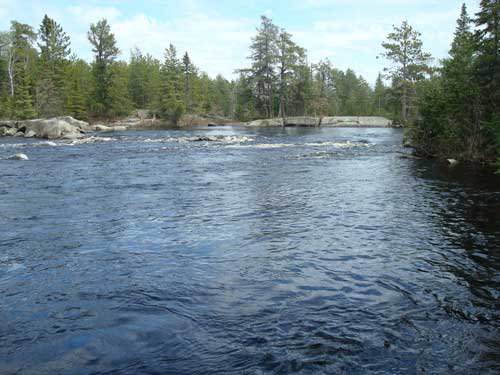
261 251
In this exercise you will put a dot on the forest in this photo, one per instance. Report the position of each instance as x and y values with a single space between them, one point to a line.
449 107
40 77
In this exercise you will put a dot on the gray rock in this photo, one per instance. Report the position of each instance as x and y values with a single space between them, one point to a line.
30 134
51 128
102 128
82 125
361 121
302 121
452 162
19 157
19 134
120 128
336 121
9 132
267 122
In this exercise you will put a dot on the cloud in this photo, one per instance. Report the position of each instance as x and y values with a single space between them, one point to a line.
88 14
215 44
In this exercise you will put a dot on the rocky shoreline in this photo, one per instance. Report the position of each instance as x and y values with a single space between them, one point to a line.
332 121
66 127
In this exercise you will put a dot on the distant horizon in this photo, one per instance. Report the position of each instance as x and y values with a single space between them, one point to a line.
217 36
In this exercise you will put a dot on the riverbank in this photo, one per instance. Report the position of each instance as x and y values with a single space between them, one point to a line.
327 121
66 127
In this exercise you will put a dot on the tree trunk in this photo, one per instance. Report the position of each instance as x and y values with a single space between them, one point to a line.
11 74
404 109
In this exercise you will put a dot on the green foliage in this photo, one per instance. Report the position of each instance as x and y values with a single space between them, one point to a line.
144 79
105 50
78 87
54 46
459 108
410 64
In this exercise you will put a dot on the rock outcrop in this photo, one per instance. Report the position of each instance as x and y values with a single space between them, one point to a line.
335 121
108 129
362 121
64 127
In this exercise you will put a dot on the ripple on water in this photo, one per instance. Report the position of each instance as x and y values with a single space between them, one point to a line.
324 254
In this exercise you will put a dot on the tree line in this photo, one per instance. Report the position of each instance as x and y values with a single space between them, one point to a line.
41 77
451 109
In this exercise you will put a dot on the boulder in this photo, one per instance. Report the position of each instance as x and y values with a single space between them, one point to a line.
102 128
82 125
51 128
30 134
452 162
361 121
59 127
119 128
9 132
267 122
301 121
19 157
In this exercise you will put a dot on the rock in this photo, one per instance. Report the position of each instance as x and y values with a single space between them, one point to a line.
211 124
51 128
82 125
30 134
452 162
336 121
102 128
19 134
9 132
267 122
108 129
301 121
19 157
8 123
361 121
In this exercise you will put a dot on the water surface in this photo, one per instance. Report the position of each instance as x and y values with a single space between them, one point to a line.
269 251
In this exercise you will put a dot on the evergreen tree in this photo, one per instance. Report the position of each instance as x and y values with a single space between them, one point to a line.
20 55
104 47
379 96
409 63
264 52
189 73
172 105
54 46
288 58
488 46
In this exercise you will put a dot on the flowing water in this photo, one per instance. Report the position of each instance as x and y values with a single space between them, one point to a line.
257 251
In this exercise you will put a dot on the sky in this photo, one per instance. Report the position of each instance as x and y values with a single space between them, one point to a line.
217 34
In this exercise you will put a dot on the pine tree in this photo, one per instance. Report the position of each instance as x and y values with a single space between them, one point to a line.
78 87
410 63
189 73
488 46
263 54
20 57
288 59
54 46
379 96
104 47
172 105
459 87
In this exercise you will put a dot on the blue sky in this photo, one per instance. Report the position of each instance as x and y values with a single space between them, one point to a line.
217 33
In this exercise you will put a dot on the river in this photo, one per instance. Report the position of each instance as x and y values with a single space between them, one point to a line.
268 251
